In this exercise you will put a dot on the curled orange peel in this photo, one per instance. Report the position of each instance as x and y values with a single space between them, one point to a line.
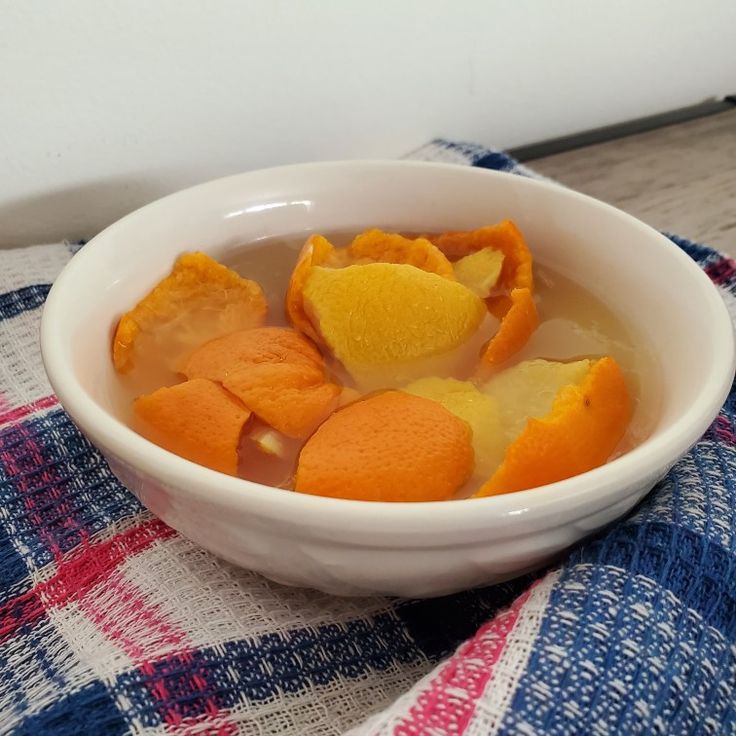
315 252
515 329
582 430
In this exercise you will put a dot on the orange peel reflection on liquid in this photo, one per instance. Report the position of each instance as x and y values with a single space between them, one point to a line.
391 446
199 300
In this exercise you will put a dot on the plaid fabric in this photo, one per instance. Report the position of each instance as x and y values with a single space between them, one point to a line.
110 622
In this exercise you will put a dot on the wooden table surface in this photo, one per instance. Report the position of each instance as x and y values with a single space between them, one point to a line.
681 178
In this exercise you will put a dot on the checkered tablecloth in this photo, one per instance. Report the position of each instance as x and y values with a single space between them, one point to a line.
112 623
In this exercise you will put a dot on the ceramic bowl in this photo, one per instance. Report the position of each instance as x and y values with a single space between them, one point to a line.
359 548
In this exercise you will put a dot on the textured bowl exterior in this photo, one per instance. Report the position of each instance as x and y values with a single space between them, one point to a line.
357 548
335 564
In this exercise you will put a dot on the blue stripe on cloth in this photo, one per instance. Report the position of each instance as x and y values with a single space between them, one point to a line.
618 653
699 494
262 668
697 252
496 160
439 625
471 152
90 710
12 568
13 303
36 660
702 574
56 488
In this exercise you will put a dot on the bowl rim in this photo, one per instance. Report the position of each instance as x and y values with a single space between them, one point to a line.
493 512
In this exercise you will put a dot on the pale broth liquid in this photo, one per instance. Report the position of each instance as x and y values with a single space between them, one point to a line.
574 324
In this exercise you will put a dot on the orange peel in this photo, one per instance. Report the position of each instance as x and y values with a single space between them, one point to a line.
276 372
515 329
516 272
528 389
292 399
217 358
374 246
382 247
582 430
480 411
392 446
368 315
199 300
316 251
480 271
513 305
197 420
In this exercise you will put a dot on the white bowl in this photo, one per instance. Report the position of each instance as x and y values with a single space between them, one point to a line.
353 547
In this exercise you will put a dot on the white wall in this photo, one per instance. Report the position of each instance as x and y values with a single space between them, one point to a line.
107 104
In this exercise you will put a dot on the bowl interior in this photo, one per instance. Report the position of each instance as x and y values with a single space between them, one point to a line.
634 270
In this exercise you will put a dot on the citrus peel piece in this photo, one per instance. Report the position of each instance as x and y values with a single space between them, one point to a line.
528 389
276 372
368 315
511 300
199 300
217 358
374 246
583 428
382 247
391 446
505 237
197 420
481 412
292 399
316 251
516 327
480 271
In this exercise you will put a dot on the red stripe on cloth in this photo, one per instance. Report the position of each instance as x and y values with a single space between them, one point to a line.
448 703
721 271
91 563
722 429
9 416
140 629
131 606
76 573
